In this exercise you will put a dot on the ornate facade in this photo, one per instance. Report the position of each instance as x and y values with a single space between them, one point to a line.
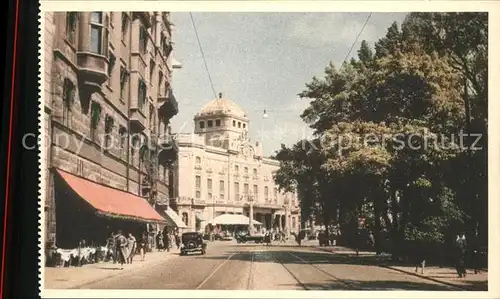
219 170
106 92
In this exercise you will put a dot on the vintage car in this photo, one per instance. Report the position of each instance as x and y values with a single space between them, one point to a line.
243 238
193 242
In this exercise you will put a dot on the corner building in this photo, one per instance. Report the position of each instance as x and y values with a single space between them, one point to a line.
219 170
107 94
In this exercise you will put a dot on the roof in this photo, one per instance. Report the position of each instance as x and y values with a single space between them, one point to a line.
222 105
111 202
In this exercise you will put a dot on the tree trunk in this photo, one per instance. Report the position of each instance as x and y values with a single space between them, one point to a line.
377 212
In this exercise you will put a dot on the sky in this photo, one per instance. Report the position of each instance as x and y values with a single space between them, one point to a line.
262 61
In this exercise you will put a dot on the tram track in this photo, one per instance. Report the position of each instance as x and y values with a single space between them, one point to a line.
305 286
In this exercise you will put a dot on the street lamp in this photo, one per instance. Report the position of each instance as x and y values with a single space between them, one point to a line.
250 200
286 202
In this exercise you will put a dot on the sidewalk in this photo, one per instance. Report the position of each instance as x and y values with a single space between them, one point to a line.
445 275
75 277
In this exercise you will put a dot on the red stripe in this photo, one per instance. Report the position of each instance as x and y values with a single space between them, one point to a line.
9 145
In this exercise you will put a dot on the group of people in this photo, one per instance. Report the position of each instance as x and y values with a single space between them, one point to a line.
123 248
165 240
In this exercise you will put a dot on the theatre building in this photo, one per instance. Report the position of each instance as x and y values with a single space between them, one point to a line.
219 170
107 105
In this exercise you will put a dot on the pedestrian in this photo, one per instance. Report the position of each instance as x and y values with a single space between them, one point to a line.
159 242
142 245
122 244
177 240
111 248
459 252
132 247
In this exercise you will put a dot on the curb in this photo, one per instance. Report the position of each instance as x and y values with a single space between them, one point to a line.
456 286
426 277
79 286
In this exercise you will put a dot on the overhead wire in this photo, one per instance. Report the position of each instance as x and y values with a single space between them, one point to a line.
356 40
203 55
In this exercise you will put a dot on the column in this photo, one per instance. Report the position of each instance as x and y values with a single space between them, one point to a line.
287 222
280 222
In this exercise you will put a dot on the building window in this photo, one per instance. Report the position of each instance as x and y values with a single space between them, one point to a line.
108 129
210 124
160 79
239 124
256 191
95 116
209 184
71 24
142 94
244 126
123 139
266 193
246 170
255 172
123 81
98 33
198 194
202 125
151 70
234 123
293 223
209 196
198 182
198 161
111 66
275 194
245 189
124 26
68 99
217 122
221 189
143 39
237 191
185 218
236 168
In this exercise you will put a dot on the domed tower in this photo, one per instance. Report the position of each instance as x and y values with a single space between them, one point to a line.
221 121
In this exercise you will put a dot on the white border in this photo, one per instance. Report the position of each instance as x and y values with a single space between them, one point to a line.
294 6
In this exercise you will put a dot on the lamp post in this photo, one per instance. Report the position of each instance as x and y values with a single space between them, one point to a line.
250 199
286 202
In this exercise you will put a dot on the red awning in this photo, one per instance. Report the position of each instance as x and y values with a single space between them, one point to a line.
112 202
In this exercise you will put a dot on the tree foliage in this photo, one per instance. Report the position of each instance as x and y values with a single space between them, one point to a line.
388 128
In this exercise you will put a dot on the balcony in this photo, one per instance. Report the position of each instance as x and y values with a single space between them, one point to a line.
92 71
137 120
169 107
169 151
145 17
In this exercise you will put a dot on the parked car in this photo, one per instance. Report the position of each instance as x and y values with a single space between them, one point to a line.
193 242
249 238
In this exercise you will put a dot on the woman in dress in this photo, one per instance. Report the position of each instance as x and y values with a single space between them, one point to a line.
132 247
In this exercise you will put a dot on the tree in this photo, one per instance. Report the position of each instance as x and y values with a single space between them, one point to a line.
410 97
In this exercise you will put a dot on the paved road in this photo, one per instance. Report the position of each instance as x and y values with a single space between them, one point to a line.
228 266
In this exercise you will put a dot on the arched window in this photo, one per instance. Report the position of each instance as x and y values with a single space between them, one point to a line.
255 172
198 160
185 218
